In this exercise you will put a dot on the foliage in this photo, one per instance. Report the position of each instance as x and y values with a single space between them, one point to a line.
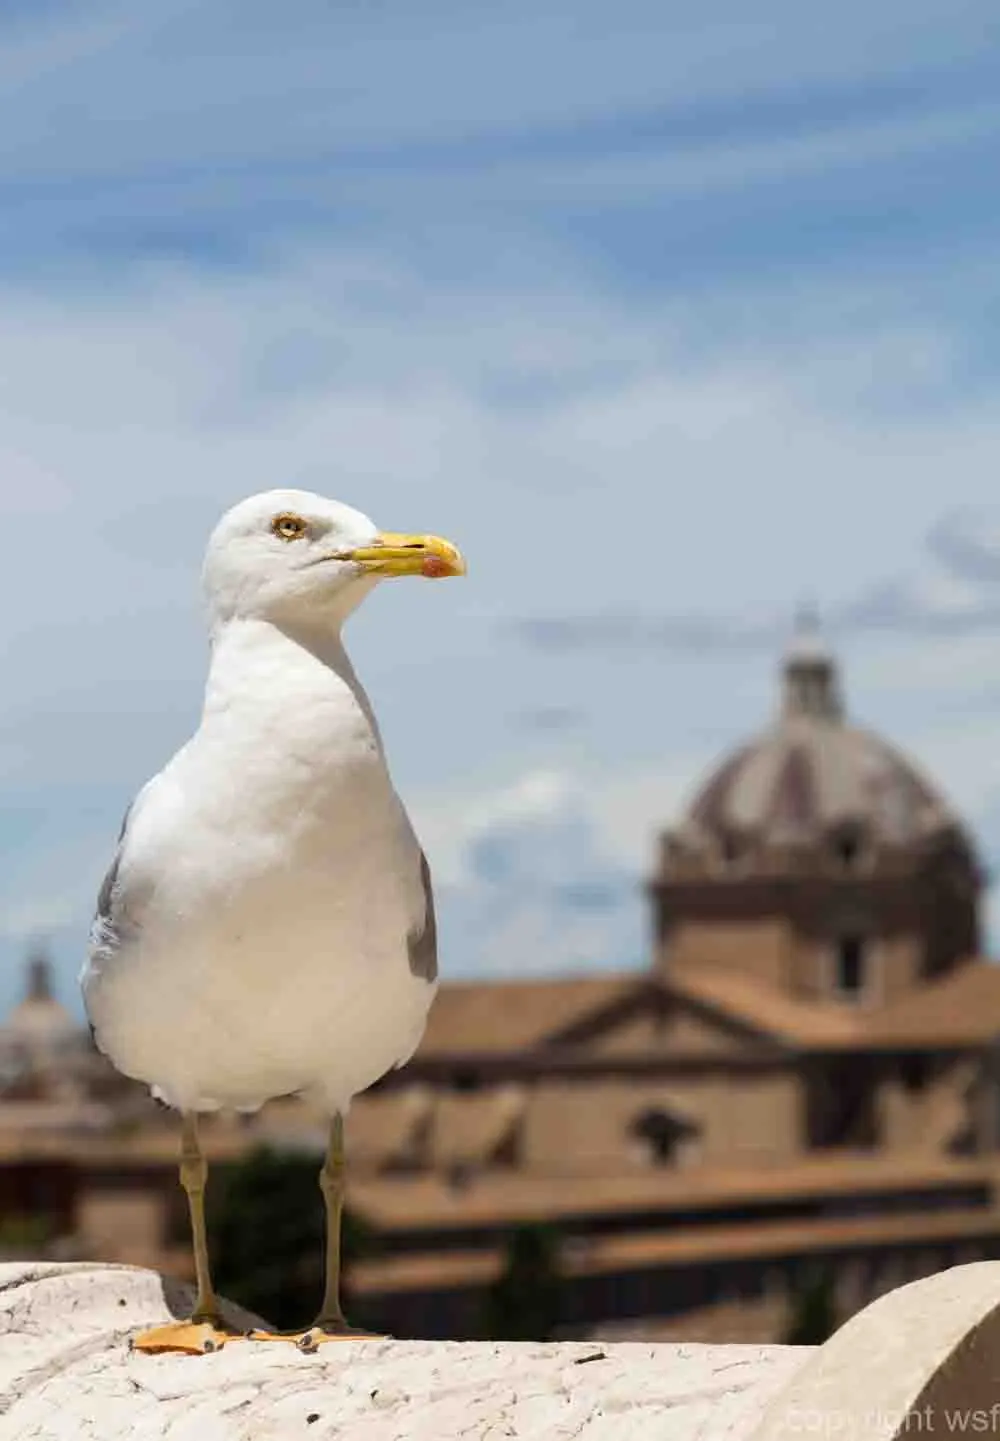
267 1230
813 1317
524 1303
24 1235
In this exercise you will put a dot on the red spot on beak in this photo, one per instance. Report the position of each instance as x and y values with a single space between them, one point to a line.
434 567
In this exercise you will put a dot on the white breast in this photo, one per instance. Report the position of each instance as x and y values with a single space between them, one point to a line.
275 880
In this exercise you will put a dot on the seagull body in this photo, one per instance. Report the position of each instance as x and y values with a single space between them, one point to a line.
267 925
270 895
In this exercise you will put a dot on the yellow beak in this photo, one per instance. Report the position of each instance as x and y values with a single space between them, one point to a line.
392 554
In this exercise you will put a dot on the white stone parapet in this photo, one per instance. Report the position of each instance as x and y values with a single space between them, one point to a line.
923 1355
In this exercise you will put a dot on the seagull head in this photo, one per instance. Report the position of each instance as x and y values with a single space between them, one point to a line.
289 555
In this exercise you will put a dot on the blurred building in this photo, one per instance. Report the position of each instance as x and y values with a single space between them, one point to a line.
806 1076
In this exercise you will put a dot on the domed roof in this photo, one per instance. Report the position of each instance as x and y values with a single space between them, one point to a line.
812 775
38 1023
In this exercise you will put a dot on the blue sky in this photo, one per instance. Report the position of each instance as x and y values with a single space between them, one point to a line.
673 316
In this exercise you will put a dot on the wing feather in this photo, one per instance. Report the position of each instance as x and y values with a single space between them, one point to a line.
422 940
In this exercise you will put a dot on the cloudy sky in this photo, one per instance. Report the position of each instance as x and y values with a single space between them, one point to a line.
675 317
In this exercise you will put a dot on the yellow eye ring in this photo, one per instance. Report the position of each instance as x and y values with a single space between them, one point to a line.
288 526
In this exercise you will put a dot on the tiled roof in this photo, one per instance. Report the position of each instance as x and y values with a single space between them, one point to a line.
385 1124
502 1198
495 1017
960 1009
746 998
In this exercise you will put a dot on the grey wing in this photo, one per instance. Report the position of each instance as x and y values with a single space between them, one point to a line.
105 930
104 916
115 919
422 940
421 944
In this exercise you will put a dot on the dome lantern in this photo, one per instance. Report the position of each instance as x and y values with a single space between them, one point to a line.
39 977
39 1028
812 682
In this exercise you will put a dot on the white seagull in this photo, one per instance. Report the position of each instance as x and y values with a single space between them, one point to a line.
267 924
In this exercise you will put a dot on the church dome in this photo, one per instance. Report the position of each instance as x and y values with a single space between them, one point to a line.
813 779
38 1026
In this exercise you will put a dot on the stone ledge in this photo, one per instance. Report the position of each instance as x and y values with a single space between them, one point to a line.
923 1360
66 1374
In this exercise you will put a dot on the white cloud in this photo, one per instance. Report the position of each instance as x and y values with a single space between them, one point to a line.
918 668
450 823
628 177
545 873
535 889
23 920
636 805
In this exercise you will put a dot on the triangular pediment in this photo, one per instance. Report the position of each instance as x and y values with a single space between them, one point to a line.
653 1019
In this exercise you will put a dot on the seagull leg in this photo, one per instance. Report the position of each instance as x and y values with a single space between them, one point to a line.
330 1324
331 1183
194 1178
206 1330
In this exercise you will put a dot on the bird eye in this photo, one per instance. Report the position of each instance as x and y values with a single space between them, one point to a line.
289 526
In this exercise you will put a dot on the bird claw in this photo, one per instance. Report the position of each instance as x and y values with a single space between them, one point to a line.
319 1335
186 1338
309 1341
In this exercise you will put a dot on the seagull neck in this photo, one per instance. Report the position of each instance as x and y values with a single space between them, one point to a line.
252 659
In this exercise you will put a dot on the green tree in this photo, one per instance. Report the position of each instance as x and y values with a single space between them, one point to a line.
267 1230
525 1301
813 1317
24 1235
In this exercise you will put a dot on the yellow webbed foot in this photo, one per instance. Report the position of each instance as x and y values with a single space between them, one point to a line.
186 1338
322 1334
317 1335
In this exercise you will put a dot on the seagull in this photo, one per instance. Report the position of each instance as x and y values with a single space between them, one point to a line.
267 924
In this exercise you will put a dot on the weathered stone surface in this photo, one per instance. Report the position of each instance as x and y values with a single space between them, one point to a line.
66 1374
923 1360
